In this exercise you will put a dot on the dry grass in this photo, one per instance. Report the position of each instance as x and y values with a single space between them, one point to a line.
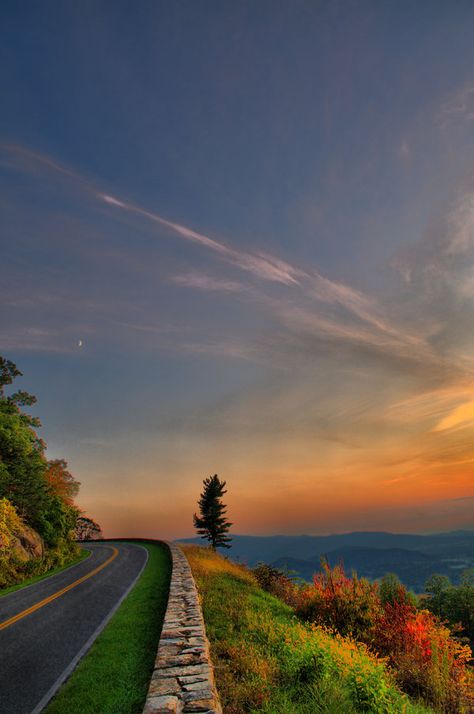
204 563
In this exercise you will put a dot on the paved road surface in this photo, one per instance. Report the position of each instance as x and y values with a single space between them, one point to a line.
39 644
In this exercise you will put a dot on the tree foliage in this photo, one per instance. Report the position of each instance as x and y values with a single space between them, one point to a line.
87 529
212 524
392 590
61 482
42 492
453 603
10 525
22 461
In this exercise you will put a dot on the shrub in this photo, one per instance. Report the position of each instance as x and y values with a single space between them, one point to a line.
348 605
10 526
277 583
427 660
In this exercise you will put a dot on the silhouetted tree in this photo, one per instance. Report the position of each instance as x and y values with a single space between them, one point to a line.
212 523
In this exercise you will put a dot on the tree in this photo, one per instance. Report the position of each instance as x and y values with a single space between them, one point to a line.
391 590
454 603
87 529
22 460
212 524
61 482
42 492
437 586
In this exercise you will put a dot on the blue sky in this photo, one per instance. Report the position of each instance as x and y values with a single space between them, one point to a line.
238 238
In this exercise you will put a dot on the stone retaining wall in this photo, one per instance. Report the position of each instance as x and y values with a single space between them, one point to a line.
183 678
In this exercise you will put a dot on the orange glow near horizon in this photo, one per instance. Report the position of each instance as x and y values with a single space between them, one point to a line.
416 482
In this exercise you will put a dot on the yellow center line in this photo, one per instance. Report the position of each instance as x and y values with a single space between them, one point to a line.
52 597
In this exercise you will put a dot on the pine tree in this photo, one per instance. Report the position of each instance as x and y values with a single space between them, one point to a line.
212 523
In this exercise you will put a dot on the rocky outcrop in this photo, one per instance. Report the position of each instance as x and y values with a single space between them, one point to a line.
183 679
26 545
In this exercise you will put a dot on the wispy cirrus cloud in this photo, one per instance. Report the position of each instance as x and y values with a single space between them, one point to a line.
203 281
396 343
314 307
266 267
360 305
310 283
460 416
32 162
460 228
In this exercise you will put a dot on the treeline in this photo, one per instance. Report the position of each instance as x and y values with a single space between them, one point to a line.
36 494
423 640
452 603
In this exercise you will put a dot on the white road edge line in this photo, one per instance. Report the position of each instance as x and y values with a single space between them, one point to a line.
84 649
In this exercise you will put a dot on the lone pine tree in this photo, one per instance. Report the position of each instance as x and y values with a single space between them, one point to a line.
212 524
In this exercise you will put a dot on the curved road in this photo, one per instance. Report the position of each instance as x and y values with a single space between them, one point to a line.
45 628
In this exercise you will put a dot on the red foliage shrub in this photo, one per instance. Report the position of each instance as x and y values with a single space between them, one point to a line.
427 660
348 605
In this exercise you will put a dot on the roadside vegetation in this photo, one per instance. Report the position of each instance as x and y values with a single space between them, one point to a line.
114 675
37 511
268 660
83 554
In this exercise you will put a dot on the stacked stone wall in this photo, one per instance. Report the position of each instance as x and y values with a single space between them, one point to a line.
183 678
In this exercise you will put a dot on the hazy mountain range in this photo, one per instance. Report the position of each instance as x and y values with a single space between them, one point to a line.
372 554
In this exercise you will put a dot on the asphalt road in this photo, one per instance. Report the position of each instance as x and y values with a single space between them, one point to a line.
40 648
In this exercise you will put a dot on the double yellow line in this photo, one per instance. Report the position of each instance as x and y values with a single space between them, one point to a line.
47 600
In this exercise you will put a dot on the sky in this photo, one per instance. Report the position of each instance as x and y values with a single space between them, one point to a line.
238 238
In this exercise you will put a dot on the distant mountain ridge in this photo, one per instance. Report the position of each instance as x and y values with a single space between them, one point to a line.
412 557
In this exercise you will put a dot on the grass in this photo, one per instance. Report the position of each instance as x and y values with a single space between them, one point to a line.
268 661
36 578
113 677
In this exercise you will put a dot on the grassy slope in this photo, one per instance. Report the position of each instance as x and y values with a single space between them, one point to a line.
113 677
268 661
29 581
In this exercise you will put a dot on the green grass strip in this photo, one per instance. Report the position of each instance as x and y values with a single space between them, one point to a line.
113 677
36 578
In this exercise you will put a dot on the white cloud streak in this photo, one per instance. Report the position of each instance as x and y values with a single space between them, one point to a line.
272 269
263 266
201 281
